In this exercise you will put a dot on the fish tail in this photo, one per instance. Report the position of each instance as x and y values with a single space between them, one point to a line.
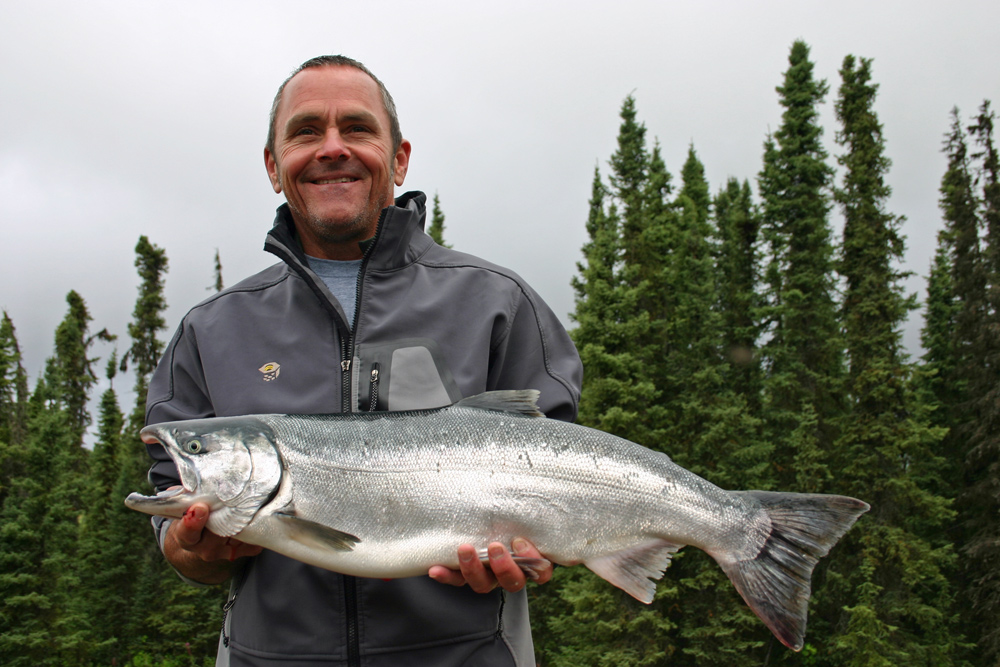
776 583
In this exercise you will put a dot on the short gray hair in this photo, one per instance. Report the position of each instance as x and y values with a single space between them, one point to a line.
338 61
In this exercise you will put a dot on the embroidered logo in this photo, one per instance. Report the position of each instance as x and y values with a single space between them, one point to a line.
270 371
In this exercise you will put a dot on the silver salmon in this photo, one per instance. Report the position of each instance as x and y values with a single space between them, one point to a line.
389 494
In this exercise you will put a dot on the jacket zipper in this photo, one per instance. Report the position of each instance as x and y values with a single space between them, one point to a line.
347 405
373 389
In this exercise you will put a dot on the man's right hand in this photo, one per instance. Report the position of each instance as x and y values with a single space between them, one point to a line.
200 554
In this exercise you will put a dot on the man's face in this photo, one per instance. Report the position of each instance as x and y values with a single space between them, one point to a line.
333 158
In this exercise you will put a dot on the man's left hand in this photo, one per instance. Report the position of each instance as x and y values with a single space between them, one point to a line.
502 570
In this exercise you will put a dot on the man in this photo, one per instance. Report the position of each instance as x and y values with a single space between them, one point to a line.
364 312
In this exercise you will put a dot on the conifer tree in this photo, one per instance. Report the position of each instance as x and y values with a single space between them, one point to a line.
13 403
980 501
217 284
103 600
711 431
616 307
803 349
737 227
629 171
436 230
886 449
613 295
166 617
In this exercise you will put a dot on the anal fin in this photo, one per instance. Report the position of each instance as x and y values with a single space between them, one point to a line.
634 570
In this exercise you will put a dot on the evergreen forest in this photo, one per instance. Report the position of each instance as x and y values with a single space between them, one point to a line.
734 329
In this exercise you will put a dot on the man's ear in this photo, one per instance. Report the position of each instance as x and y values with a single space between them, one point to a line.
401 161
272 171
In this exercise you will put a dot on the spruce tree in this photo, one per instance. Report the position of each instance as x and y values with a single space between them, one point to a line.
104 596
166 618
436 230
737 228
980 500
711 431
217 284
13 403
890 574
803 349
617 306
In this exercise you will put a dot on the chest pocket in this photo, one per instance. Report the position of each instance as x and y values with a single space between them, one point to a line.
407 374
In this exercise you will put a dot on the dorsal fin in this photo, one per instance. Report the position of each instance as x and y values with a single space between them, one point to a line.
519 401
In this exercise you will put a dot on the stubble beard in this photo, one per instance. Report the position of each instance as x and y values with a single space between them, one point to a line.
338 231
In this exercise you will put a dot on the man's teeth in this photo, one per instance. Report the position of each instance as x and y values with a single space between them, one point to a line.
328 181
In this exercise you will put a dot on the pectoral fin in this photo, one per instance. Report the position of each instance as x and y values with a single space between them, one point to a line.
315 535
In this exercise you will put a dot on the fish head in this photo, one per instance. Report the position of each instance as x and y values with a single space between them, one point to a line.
229 463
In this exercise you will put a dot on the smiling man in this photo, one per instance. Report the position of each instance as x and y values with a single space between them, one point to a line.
335 158
363 312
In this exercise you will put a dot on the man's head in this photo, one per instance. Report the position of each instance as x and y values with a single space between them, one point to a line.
334 149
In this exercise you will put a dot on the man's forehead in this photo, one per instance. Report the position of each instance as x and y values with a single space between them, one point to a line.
331 83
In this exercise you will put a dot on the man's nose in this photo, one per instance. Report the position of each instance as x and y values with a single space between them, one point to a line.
333 147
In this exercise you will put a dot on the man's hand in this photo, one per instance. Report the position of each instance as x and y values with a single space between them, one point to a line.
502 570
200 554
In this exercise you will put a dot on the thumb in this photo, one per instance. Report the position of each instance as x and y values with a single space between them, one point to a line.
192 525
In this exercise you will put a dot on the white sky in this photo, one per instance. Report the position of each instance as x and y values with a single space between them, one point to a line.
128 118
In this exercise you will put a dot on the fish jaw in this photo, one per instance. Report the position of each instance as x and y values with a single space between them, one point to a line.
172 503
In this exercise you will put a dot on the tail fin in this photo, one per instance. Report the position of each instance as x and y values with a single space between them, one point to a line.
776 584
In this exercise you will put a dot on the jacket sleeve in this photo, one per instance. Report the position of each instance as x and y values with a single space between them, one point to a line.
536 352
176 392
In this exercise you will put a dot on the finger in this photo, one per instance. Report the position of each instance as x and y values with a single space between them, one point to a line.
446 575
189 529
508 574
524 548
476 575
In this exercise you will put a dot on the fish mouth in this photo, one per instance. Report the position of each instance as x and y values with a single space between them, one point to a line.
171 503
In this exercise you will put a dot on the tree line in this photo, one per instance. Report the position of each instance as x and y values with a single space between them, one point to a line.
731 330
735 333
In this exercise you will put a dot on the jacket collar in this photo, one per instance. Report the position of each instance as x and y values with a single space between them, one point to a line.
398 240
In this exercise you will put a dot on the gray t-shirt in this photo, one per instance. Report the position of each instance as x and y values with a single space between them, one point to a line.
341 278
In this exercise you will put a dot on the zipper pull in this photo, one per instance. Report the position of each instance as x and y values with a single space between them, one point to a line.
373 392
345 365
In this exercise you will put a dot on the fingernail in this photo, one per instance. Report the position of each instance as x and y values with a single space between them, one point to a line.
519 545
496 551
465 556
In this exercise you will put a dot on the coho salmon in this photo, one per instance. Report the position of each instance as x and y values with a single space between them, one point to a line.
390 494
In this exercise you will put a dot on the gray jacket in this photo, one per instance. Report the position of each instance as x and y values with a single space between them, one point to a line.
436 325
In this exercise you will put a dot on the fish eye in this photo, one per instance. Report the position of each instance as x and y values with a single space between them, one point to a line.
193 446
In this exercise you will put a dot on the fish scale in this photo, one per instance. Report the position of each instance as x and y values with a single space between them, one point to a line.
390 494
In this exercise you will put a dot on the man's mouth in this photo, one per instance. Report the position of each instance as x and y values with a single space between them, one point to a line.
332 181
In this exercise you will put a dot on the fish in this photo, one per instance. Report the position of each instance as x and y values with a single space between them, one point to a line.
390 494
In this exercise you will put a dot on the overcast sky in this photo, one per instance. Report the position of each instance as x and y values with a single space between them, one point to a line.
127 118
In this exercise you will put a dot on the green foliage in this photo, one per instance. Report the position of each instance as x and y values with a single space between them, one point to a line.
436 230
803 352
979 333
